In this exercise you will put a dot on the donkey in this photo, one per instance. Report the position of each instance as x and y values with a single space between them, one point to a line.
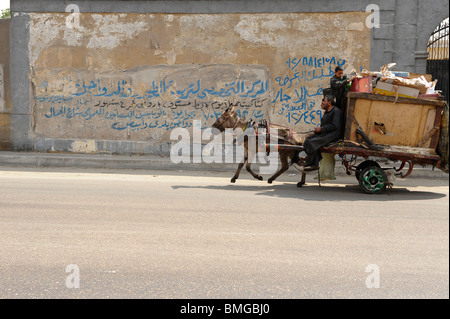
230 119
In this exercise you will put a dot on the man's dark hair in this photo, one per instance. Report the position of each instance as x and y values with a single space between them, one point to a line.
330 98
338 68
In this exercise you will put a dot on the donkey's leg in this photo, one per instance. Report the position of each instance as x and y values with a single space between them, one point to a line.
251 157
284 167
236 175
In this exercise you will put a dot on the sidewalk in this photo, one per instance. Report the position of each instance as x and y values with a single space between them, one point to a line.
152 162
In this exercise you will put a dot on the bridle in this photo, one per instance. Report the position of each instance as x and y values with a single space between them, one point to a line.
223 120
226 115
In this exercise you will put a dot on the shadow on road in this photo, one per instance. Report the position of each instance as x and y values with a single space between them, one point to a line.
329 192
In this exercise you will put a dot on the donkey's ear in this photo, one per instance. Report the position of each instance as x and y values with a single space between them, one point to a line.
228 109
231 108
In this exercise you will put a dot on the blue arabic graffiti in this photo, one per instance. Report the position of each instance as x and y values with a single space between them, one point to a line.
139 120
161 106
241 89
298 100
316 62
146 114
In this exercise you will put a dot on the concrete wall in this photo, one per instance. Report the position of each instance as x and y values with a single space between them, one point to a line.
5 91
123 74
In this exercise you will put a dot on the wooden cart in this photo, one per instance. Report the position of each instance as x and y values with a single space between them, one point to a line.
381 127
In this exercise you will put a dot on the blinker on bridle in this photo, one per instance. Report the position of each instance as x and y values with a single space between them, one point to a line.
225 116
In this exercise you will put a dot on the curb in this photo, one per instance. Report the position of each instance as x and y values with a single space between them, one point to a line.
151 162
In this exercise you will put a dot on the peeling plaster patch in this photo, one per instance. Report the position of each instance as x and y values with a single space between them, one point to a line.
339 21
111 32
74 36
248 29
306 25
168 18
274 25
44 30
205 22
263 29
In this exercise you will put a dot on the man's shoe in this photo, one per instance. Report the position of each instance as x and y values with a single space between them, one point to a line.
311 166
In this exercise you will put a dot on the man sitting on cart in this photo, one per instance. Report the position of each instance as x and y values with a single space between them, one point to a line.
328 132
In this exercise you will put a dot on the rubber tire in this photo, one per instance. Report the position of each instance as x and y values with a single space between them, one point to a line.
364 165
373 180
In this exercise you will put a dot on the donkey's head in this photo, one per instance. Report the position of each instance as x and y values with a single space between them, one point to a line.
228 119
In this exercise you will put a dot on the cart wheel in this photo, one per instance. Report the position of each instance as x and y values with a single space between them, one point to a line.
373 180
364 165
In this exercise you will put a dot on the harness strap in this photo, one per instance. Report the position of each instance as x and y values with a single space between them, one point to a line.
223 121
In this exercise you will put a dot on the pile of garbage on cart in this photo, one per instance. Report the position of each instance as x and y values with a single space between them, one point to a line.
395 83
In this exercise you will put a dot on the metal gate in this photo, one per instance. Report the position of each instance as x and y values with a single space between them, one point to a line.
438 55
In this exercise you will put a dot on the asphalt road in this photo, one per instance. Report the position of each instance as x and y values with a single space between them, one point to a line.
148 234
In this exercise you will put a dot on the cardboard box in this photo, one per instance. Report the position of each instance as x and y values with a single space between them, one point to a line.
427 77
388 89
